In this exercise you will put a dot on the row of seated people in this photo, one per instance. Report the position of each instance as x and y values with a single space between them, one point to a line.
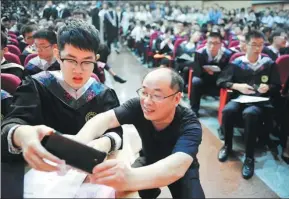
42 58
253 73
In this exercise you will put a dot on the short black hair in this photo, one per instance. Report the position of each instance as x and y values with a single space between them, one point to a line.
79 12
216 35
275 34
4 40
27 29
254 34
79 34
48 35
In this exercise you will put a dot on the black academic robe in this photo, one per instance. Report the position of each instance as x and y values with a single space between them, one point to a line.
32 68
95 18
239 72
270 53
110 29
45 99
12 68
202 58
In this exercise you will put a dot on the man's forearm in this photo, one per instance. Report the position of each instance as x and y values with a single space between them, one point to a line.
161 173
94 128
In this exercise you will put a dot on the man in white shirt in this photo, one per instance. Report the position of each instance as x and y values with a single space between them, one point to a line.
267 19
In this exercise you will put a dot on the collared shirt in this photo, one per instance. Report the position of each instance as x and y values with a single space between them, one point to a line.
275 50
253 66
41 63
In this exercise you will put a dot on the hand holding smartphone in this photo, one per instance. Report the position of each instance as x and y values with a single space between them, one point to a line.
74 153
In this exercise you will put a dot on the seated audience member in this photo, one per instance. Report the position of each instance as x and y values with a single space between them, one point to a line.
241 47
204 80
45 42
255 75
6 66
170 134
6 100
165 42
185 55
277 40
27 32
60 100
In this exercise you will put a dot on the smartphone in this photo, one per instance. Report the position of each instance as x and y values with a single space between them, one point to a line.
74 153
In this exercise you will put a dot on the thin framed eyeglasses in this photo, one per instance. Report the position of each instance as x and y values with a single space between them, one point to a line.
41 48
156 98
85 65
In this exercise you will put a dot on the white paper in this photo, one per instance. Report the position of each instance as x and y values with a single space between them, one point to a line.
186 57
250 99
213 68
39 184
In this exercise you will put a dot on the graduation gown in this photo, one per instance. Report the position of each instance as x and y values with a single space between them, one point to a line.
110 26
12 68
46 99
202 58
270 53
33 68
239 72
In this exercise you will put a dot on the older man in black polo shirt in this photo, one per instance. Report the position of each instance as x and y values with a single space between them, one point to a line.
170 134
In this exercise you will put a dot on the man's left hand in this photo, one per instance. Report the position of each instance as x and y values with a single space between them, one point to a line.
263 88
113 173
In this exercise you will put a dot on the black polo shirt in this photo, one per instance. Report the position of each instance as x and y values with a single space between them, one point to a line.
184 134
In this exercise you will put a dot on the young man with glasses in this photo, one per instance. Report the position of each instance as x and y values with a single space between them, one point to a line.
254 75
170 134
204 80
60 101
44 42
278 41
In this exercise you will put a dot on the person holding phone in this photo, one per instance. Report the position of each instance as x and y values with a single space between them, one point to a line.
170 134
252 74
60 101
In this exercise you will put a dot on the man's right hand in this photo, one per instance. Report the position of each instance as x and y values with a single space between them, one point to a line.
28 138
244 88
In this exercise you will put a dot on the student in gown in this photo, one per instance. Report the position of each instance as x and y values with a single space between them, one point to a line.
278 41
45 41
60 100
170 134
255 75
6 66
204 80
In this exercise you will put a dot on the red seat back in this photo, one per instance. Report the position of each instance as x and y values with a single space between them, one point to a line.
13 36
13 49
235 56
283 67
9 82
177 44
153 37
13 41
28 58
201 46
233 43
12 58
